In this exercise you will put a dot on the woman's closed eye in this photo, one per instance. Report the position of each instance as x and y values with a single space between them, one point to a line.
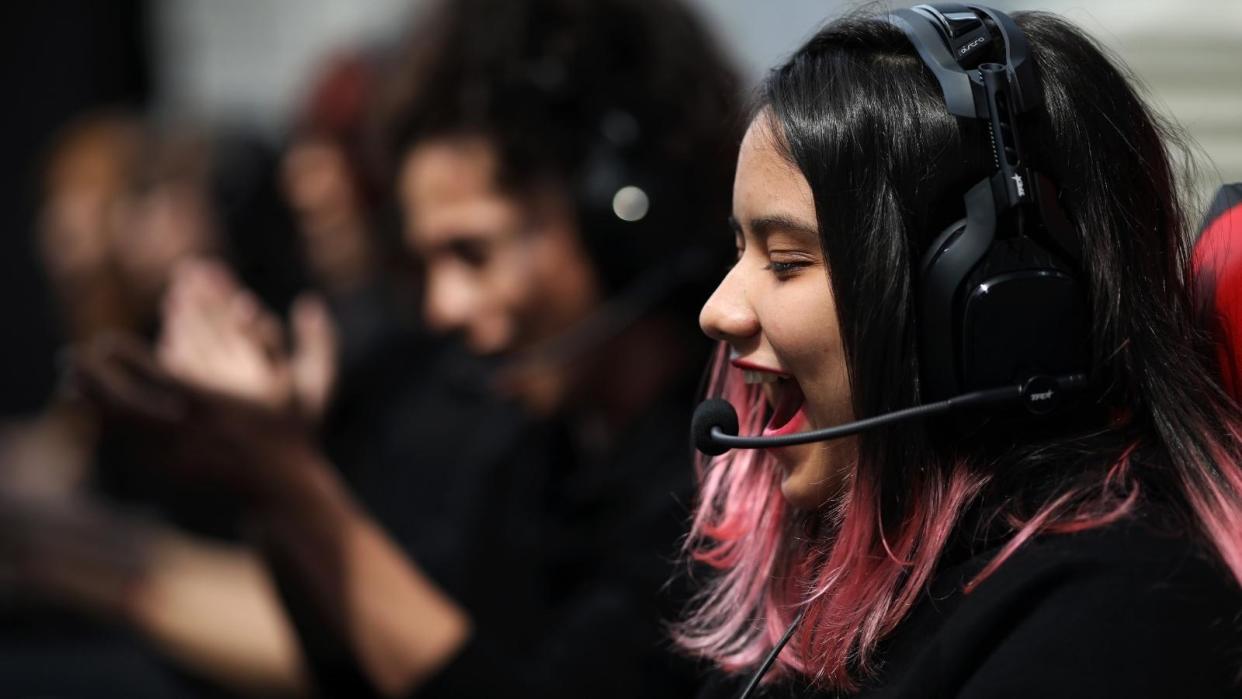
786 267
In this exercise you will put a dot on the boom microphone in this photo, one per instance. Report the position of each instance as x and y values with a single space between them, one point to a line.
715 425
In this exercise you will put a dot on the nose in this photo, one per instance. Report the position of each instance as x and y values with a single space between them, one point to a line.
728 315
449 301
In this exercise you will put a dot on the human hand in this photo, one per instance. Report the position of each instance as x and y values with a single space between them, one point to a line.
206 437
218 336
313 362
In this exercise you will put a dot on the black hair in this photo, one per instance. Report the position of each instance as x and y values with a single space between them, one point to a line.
562 87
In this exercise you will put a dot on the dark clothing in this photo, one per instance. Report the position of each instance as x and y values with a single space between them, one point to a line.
576 609
559 549
1122 611
46 652
414 435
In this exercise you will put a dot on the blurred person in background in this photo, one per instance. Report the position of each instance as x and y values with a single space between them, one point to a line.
121 207
206 603
87 175
346 221
560 166
124 204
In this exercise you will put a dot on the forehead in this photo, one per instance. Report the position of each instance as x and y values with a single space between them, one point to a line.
447 189
767 184
448 169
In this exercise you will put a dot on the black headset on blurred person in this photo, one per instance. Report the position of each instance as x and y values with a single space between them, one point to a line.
627 219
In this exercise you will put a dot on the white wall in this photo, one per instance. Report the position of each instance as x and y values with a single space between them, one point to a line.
247 60
1189 62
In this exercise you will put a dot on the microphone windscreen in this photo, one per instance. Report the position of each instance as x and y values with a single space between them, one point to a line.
715 412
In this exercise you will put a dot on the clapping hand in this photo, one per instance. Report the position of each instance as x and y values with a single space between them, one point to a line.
218 336
220 402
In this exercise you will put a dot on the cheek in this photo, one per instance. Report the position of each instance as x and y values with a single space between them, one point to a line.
503 298
809 344
801 324
563 281
457 299
827 387
512 291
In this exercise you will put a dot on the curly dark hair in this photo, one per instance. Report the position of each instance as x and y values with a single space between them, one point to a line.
584 95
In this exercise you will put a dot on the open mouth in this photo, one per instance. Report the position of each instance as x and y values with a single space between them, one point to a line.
784 397
787 407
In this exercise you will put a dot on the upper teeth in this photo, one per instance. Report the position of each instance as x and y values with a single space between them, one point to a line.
760 376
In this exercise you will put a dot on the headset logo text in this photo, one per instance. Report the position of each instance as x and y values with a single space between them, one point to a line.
1017 180
962 51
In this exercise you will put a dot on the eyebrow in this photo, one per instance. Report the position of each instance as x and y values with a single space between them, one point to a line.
766 225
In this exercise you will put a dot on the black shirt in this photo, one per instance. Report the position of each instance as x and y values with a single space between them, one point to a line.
1127 610
560 547
572 596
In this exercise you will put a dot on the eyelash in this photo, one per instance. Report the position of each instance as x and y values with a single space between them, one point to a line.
782 269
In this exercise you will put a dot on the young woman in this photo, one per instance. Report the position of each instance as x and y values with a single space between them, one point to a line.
1093 552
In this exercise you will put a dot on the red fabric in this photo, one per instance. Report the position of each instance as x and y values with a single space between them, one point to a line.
1218 264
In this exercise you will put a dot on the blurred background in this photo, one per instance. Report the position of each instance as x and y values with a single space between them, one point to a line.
144 133
241 66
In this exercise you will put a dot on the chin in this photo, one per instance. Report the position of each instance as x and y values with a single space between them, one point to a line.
814 473
792 494
798 486
804 496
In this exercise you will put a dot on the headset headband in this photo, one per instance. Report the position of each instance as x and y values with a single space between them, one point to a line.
950 39
954 42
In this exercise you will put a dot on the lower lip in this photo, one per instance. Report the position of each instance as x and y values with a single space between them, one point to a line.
795 424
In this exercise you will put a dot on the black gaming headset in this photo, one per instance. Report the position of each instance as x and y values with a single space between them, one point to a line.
626 212
1001 295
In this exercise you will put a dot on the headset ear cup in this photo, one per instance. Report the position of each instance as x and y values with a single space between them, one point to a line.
941 243
937 351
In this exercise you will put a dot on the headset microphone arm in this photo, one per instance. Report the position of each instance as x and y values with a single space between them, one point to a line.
1040 393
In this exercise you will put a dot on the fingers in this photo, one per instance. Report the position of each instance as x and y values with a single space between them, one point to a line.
314 362
206 275
313 330
218 336
217 311
191 344
261 327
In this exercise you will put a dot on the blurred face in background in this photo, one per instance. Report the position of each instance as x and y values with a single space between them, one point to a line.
159 227
88 172
120 209
319 185
506 274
